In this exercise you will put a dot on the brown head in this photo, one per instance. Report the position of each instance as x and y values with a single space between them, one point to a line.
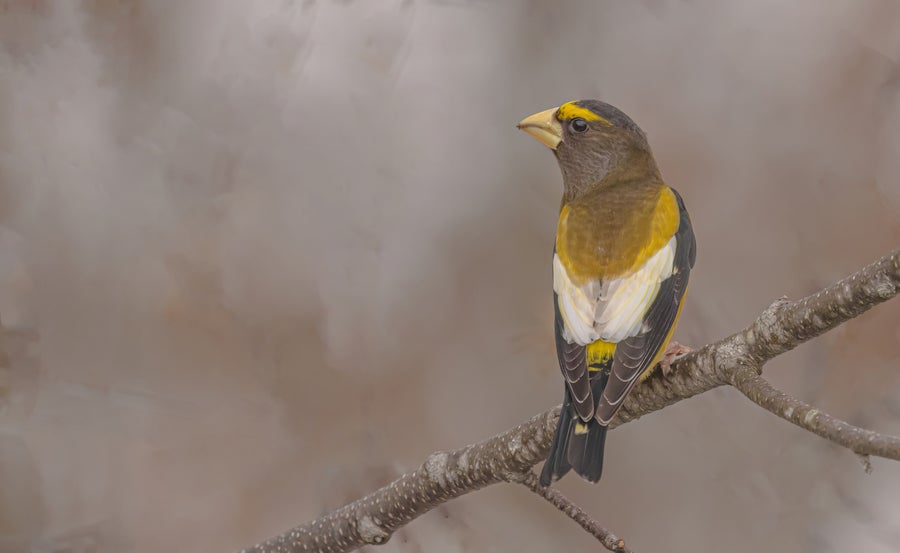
594 143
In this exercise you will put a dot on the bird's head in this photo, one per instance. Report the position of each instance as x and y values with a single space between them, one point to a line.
591 140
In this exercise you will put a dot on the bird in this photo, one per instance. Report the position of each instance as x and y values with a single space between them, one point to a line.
623 254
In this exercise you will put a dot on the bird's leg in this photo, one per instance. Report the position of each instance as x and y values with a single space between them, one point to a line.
673 351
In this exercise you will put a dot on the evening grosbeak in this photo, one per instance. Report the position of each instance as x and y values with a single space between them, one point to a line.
624 252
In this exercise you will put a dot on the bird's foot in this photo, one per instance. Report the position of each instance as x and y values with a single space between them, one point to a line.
673 351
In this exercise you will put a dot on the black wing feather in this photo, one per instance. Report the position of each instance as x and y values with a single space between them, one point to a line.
573 364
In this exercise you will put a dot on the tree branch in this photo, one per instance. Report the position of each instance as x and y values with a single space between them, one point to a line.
445 475
573 511
858 440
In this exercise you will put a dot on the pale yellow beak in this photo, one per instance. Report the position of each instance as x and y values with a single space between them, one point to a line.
544 127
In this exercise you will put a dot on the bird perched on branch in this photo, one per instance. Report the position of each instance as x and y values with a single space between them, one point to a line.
624 252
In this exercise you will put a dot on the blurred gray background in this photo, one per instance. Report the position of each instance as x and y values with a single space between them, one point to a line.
258 258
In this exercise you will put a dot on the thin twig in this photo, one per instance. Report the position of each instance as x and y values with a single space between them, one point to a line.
858 440
573 511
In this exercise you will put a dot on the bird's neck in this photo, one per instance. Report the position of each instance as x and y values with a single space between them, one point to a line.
635 165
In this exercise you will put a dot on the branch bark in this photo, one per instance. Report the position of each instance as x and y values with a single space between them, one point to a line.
510 455
858 440
573 511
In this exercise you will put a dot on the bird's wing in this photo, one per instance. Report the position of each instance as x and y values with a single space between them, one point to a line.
572 358
637 311
635 354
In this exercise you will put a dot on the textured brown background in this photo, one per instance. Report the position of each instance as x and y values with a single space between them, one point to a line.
276 252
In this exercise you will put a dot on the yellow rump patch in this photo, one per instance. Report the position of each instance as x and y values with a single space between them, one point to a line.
571 110
599 354
581 428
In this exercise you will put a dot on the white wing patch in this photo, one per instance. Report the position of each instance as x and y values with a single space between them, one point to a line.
577 305
613 310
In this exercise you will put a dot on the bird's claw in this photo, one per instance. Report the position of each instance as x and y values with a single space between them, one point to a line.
673 351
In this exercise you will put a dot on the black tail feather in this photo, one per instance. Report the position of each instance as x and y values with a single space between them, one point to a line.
581 451
586 451
557 463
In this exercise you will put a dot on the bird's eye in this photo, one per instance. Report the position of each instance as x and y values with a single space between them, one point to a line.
578 125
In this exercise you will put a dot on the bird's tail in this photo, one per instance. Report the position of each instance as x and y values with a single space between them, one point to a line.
576 445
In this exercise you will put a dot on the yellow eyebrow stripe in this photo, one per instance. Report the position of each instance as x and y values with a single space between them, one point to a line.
571 110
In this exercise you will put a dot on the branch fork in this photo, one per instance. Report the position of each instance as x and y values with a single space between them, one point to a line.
509 456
